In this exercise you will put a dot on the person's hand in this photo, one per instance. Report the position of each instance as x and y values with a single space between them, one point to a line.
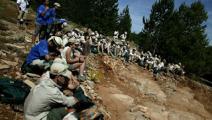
81 59
46 8
73 84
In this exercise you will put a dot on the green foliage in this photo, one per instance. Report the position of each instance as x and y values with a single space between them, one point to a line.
101 15
125 22
178 35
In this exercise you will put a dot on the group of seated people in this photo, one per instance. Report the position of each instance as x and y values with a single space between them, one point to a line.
157 65
58 58
119 47
60 55
66 52
68 48
59 96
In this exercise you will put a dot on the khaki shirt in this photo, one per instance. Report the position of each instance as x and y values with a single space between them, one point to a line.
41 99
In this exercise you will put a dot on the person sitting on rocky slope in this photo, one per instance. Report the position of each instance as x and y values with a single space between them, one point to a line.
40 56
46 100
74 60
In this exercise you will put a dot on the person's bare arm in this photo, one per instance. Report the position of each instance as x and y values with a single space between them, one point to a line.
73 83
49 57
68 57
44 12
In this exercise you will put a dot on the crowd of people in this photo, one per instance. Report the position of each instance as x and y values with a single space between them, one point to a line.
61 52
119 47
56 56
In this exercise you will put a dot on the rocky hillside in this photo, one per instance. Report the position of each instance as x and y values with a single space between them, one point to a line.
124 91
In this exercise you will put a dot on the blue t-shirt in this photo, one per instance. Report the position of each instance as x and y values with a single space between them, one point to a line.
39 18
50 16
38 51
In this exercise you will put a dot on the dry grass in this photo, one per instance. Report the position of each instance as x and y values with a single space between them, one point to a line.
3 27
8 11
95 75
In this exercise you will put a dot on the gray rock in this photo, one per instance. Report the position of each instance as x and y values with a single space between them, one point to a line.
11 63
90 83
4 66
33 75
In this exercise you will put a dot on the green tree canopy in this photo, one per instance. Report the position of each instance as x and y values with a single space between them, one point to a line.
177 35
100 15
125 22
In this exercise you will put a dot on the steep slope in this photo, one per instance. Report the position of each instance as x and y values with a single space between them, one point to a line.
130 93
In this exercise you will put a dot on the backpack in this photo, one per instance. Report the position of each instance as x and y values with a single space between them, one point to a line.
91 113
85 107
25 68
13 91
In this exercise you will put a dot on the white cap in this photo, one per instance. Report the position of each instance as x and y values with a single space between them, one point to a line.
82 39
65 24
72 40
59 67
92 33
56 40
57 4
77 41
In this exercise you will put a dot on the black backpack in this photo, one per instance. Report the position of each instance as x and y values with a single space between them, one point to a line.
13 91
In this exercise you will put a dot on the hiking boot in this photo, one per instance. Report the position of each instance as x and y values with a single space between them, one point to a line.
81 78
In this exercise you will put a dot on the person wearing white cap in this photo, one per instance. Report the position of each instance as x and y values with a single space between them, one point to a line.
78 48
74 60
41 102
42 53
133 56
123 37
115 35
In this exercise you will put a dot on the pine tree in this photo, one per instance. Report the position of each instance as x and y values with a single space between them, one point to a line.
100 15
104 15
193 38
125 22
177 35
161 12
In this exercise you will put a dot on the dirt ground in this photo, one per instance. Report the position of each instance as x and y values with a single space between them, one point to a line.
130 87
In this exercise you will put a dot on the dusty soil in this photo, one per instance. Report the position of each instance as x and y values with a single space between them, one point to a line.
128 87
